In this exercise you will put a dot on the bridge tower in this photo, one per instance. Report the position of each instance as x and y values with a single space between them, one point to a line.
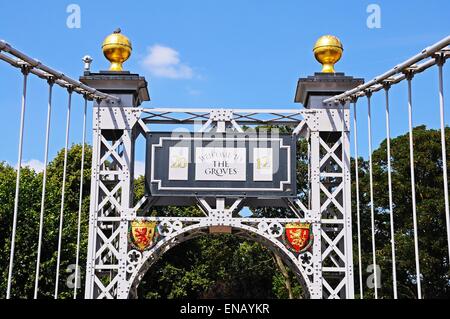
113 269
330 178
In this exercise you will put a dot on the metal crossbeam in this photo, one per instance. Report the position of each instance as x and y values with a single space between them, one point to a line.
177 115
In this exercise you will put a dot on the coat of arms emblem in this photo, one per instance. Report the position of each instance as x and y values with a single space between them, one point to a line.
298 236
142 234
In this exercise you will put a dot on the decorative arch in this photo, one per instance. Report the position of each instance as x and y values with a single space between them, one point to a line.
176 232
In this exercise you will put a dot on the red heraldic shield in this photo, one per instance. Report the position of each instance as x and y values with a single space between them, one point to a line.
299 236
142 234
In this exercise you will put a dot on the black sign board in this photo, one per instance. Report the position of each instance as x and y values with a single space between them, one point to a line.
221 164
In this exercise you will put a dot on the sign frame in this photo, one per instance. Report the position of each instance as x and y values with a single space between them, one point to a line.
159 146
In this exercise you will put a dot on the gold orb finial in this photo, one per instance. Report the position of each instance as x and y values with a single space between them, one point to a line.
328 51
117 49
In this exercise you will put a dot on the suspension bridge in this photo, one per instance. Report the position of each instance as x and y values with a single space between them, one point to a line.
317 245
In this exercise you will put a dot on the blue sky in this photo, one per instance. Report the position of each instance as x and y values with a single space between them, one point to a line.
216 54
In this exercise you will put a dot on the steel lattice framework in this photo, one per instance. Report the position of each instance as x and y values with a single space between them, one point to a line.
115 268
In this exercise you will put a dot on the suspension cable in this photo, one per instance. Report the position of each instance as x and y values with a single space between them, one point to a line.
61 216
413 185
25 71
372 211
444 151
38 68
44 184
80 200
391 206
396 72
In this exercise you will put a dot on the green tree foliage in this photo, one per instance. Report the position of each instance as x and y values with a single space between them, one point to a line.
219 266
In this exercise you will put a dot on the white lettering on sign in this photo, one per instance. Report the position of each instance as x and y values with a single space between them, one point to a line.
262 164
220 164
178 163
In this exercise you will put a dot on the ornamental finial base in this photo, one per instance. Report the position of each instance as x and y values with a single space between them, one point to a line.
328 68
116 66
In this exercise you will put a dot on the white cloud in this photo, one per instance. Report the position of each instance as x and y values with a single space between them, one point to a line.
165 62
139 169
34 164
